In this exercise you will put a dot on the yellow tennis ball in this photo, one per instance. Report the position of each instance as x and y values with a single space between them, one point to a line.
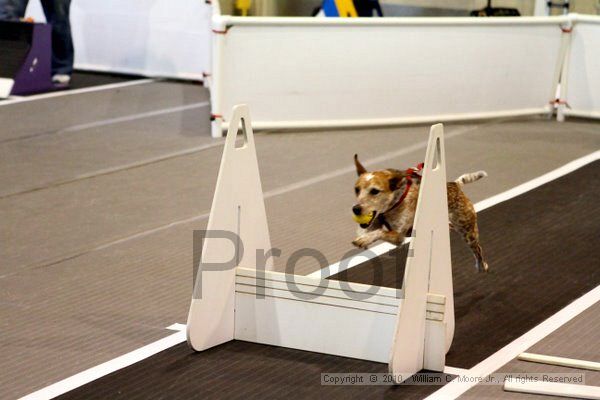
362 219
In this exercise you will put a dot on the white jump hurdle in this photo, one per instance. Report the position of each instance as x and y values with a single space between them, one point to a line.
411 329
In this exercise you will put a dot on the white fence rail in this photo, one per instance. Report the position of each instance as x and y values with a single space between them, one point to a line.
582 95
309 72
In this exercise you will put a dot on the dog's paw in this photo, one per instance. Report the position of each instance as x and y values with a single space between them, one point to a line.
360 243
363 241
482 266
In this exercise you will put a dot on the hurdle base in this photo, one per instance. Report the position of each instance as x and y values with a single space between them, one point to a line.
332 317
279 309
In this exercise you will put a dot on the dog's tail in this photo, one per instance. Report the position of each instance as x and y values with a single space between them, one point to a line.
470 177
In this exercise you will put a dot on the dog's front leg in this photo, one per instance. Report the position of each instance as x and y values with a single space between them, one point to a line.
394 237
368 238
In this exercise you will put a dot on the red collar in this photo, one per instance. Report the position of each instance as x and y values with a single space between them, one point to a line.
410 174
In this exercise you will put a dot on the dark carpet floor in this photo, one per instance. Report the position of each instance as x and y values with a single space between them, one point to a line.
543 252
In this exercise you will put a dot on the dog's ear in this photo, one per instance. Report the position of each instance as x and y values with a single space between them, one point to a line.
359 167
395 180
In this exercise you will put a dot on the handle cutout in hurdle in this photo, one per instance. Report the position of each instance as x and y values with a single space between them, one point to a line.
438 155
241 139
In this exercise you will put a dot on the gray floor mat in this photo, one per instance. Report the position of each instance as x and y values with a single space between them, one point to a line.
47 115
58 158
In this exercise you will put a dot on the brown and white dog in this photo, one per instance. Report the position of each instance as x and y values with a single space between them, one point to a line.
387 201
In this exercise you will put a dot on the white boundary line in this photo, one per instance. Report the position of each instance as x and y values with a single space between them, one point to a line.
177 327
383 248
99 371
105 171
455 389
539 181
16 100
455 371
355 260
451 390
375 160
135 117
106 368
110 170
111 121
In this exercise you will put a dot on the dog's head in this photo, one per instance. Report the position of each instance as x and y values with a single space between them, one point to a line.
376 192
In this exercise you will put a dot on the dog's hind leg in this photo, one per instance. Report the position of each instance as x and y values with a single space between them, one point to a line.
471 236
463 219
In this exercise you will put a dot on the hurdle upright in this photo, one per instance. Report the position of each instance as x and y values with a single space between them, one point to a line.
237 295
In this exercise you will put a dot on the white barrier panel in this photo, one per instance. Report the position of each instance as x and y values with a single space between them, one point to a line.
147 37
583 92
310 72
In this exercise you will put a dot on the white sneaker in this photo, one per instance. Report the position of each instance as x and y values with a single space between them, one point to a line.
61 79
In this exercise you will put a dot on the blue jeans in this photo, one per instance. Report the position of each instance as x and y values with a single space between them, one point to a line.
57 14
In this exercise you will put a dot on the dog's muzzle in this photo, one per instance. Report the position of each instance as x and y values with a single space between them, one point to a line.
364 219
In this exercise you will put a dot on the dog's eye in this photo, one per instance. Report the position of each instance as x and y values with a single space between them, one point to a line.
356 190
374 192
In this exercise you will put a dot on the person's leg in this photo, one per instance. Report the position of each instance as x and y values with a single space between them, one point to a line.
12 10
57 14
